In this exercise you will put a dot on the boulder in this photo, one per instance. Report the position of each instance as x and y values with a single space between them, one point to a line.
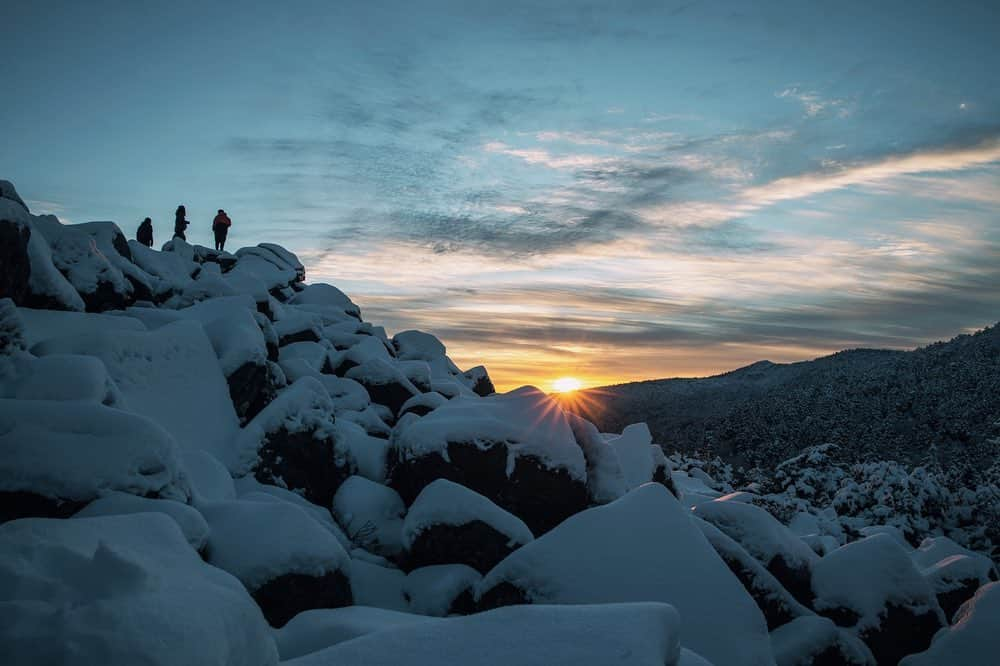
450 524
293 443
53 461
517 449
872 587
816 641
284 558
972 639
642 547
442 589
785 555
118 591
774 601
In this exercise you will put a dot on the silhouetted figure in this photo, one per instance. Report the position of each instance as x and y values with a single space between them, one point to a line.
220 225
145 233
180 224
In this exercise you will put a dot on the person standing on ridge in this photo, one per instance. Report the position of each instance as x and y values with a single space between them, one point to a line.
220 225
145 233
180 224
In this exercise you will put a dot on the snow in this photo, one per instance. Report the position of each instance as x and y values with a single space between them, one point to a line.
325 295
528 420
379 586
643 547
83 450
693 490
60 377
760 533
45 279
77 256
866 575
259 541
368 453
314 354
371 511
251 490
797 642
635 634
605 479
429 400
431 590
972 639
210 480
634 455
417 345
119 591
41 325
443 502
170 375
936 549
191 522
172 269
320 628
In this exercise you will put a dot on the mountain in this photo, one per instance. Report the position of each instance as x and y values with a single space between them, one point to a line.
943 399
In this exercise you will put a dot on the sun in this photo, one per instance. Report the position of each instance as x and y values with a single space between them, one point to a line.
566 384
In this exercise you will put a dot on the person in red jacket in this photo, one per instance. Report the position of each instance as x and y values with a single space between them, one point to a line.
220 225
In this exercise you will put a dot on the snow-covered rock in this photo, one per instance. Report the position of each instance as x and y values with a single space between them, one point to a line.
442 589
87 264
371 514
872 587
813 640
56 457
60 377
642 547
972 639
450 524
786 556
385 383
283 557
954 572
120 591
774 601
377 584
293 443
191 522
605 478
313 630
517 449
41 325
171 375
637 634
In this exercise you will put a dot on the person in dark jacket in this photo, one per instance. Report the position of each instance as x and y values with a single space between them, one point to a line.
180 224
145 233
220 225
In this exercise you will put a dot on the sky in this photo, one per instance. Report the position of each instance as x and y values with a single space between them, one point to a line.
608 191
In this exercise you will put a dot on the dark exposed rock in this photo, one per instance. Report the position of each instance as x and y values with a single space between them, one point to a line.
15 266
304 335
900 632
951 600
481 383
251 388
463 604
23 504
795 579
504 594
661 475
539 496
302 461
476 544
479 469
284 597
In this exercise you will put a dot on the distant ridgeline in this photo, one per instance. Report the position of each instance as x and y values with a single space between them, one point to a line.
941 401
